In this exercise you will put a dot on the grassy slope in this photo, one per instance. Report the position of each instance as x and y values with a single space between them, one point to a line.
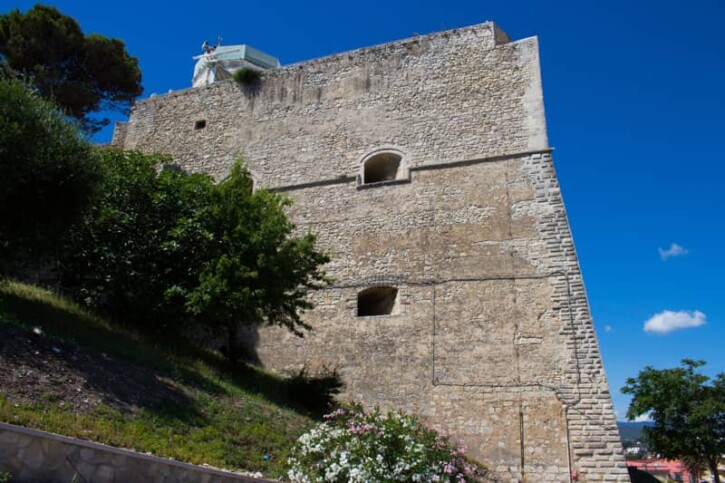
212 416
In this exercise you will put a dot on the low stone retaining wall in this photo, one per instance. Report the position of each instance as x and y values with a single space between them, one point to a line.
31 456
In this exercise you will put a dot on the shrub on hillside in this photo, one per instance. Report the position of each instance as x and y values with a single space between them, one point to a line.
47 175
255 270
355 446
314 393
142 235
162 247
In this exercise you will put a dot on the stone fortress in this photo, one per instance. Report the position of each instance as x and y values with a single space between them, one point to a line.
423 166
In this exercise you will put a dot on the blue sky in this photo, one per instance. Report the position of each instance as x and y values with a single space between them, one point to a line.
635 103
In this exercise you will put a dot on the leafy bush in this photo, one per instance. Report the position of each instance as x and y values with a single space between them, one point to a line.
315 394
254 270
141 236
162 248
247 76
47 175
351 445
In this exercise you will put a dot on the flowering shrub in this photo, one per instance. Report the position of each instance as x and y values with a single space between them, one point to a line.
351 445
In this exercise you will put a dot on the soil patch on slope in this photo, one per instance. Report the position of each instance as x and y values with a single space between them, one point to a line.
34 367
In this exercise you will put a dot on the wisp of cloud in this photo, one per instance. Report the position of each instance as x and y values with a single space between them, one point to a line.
675 250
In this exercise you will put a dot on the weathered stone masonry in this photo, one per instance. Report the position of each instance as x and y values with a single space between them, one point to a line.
491 336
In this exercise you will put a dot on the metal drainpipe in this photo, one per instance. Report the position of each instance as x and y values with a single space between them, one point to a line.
522 455
568 447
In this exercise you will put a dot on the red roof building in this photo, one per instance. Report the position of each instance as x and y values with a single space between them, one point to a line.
670 469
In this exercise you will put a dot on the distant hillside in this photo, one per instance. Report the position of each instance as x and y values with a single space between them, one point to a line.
631 431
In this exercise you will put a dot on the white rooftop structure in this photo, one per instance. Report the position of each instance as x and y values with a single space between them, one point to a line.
220 63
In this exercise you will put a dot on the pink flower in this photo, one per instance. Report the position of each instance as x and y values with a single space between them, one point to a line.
360 428
439 443
334 414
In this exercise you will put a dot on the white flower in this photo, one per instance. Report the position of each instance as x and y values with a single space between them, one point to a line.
358 449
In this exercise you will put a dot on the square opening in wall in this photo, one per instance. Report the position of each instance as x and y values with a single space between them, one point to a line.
377 301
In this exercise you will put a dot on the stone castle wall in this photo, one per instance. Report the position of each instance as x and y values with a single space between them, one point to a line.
491 336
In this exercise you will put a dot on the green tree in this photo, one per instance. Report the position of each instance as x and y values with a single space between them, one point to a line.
47 175
256 271
81 73
161 247
141 237
688 412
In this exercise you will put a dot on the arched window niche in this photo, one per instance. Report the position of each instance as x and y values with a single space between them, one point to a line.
383 166
377 301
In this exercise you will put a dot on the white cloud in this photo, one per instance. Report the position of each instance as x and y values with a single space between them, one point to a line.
675 250
608 328
643 418
667 321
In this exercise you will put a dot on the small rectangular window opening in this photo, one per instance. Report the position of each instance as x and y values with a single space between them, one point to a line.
200 124
376 301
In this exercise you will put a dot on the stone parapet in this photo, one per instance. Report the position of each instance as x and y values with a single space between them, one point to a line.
30 455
